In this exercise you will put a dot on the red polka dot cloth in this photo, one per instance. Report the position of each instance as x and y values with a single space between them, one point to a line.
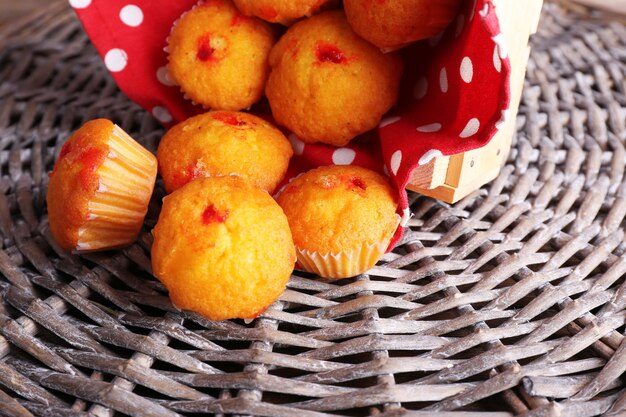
454 98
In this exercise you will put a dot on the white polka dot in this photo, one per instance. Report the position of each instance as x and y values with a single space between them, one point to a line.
131 15
467 70
443 80
484 11
497 62
421 88
503 120
429 156
343 156
389 121
296 144
501 42
433 127
471 128
460 24
80 4
116 60
434 41
163 75
396 160
161 114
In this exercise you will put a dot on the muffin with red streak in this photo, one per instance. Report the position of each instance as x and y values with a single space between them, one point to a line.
392 24
281 11
100 188
219 57
224 143
342 219
329 85
223 248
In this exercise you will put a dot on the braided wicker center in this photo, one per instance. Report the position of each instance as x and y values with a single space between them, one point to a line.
509 302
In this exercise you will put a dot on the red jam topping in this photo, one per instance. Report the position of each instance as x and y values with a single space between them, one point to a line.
188 174
268 13
205 51
237 19
90 157
212 215
228 119
326 52
358 182
66 149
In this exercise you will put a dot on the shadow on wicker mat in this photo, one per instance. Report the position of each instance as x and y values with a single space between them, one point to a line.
510 302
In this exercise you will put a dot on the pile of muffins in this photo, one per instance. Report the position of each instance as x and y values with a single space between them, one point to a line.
223 246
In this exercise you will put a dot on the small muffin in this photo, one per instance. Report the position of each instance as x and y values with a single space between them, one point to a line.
219 57
393 24
342 219
223 248
329 85
100 188
281 11
224 143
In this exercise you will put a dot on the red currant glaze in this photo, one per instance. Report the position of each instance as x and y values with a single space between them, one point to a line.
358 182
326 52
205 51
268 13
228 119
211 215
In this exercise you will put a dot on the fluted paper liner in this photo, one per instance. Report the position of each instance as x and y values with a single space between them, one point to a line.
347 263
117 210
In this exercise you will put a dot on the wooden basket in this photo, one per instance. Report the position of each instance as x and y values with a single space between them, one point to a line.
450 178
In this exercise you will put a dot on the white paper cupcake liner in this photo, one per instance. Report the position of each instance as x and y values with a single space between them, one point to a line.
117 210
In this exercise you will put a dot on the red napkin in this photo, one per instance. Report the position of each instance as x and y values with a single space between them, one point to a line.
455 91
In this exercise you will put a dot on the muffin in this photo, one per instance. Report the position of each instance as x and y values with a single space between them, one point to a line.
393 24
224 143
219 57
329 85
342 219
223 248
280 11
100 188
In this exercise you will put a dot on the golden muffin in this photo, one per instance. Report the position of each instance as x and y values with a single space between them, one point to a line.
342 219
223 248
224 143
327 84
393 24
100 188
219 57
280 11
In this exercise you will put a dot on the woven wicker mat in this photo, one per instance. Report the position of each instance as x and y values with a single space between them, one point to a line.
510 302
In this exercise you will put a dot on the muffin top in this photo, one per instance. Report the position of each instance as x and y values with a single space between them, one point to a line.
337 208
394 24
280 11
327 84
223 248
219 57
224 143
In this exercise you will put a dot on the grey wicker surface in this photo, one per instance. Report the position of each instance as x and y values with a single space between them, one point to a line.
510 302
